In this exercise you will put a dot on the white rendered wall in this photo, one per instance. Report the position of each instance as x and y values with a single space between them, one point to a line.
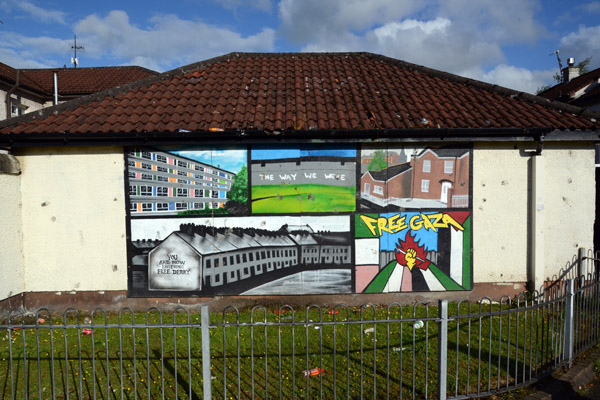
73 219
73 215
500 208
11 239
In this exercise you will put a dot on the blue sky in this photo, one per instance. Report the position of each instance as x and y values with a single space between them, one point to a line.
506 42
230 159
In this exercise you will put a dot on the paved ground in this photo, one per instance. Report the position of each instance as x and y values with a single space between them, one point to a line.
581 382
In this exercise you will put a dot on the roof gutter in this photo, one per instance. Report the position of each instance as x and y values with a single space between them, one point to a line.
10 92
185 137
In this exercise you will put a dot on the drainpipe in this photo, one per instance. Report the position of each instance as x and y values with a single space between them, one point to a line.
55 87
10 92
537 218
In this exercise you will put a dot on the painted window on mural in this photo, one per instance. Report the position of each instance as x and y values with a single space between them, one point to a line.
298 219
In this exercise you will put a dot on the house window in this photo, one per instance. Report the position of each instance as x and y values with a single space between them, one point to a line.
199 206
181 206
426 165
182 192
133 207
182 173
162 169
181 181
147 176
131 163
199 168
146 206
132 190
131 174
182 164
378 189
161 158
425 186
146 154
215 194
367 188
146 165
16 110
162 191
448 167
162 178
199 193
162 206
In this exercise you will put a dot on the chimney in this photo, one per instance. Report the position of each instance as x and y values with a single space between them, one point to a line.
571 72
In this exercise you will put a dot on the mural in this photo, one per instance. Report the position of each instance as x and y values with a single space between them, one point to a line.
294 179
243 255
413 251
191 181
298 219
414 177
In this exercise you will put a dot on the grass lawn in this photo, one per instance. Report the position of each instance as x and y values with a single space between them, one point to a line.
303 198
367 353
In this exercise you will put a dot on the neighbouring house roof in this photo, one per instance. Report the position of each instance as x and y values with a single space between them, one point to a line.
73 81
580 91
442 152
389 172
353 93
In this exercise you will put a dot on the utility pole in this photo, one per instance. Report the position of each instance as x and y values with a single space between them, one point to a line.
74 47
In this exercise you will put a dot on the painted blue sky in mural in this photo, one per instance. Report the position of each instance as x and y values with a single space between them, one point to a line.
281 152
424 237
229 158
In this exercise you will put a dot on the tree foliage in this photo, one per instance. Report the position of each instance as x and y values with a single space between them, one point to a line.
239 187
378 162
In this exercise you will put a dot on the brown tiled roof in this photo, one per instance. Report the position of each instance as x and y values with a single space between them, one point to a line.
564 91
86 80
74 81
302 91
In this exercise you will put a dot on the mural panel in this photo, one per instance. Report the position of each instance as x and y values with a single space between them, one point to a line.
295 179
298 219
400 177
242 255
413 251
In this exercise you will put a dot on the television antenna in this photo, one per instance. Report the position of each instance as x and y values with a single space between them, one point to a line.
74 47
559 62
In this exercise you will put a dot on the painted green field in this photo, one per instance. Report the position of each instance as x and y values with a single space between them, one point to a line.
303 198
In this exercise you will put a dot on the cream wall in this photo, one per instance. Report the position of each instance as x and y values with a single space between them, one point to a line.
501 208
73 215
73 219
11 250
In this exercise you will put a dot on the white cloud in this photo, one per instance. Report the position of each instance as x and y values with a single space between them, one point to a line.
585 42
20 51
167 42
515 78
507 21
38 13
304 21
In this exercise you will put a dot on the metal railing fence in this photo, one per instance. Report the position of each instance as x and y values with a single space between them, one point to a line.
444 350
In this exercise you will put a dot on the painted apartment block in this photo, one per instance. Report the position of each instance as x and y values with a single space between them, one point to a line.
162 183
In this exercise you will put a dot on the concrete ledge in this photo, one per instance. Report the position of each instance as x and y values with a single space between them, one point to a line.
116 299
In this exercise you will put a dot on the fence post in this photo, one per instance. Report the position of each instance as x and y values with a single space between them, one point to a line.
580 258
204 328
569 321
442 349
